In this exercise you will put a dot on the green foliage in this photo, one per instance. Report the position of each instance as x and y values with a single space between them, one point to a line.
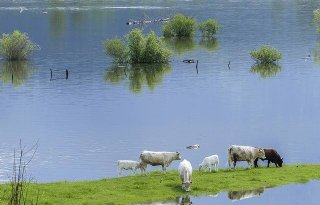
139 49
209 28
180 26
316 19
16 46
117 50
266 70
265 55
155 186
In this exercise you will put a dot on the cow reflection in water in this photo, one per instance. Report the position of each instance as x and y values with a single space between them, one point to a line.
180 200
239 195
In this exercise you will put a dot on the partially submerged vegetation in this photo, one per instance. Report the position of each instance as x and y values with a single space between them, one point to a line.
180 26
209 28
316 19
138 49
157 187
16 46
265 55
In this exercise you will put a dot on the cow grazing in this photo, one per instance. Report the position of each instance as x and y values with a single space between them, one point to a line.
158 158
272 156
244 153
128 165
185 171
209 162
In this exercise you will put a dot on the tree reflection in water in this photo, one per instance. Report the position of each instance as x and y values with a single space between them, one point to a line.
244 194
211 44
139 75
15 73
180 45
266 70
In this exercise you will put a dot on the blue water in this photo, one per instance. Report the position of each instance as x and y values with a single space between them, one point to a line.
86 123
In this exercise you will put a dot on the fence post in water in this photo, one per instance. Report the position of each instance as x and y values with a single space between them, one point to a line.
50 74
197 66
67 74
229 65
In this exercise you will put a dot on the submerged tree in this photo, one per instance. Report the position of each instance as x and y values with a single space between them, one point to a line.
180 26
209 28
139 49
16 46
265 54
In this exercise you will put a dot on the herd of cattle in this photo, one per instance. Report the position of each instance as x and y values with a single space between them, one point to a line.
235 153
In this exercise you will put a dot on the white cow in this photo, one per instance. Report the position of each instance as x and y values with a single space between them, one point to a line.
209 162
158 158
244 153
128 164
185 171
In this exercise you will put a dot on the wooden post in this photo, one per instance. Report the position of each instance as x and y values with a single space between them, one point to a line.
67 74
197 66
50 74
229 65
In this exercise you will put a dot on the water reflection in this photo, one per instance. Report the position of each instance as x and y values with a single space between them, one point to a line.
15 73
180 46
245 194
139 75
56 19
211 44
266 70
180 200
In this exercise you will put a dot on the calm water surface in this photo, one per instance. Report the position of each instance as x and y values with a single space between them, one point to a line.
287 195
103 113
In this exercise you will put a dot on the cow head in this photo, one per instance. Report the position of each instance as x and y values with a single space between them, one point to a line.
177 157
261 153
280 162
186 185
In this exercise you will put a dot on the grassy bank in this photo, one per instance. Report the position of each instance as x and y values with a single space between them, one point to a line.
157 187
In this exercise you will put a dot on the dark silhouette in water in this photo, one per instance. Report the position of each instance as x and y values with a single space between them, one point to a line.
246 194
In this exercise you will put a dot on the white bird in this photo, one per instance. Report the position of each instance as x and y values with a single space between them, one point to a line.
22 9
195 146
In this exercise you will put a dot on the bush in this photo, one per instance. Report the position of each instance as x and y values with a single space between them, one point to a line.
265 55
16 46
117 50
140 49
209 28
180 26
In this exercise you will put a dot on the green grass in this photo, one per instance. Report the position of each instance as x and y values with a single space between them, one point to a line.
158 187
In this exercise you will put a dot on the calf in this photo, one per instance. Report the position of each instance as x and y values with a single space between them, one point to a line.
244 153
185 171
128 164
158 158
272 156
209 162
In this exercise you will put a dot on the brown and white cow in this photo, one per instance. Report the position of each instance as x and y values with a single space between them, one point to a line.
244 153
272 156
158 158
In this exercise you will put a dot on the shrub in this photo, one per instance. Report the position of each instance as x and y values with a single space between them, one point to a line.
16 46
180 26
154 51
139 49
265 55
117 50
209 28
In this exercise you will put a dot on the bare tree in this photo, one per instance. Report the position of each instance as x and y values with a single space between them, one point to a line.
19 180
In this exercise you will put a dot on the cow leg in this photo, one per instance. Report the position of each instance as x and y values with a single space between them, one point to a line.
256 163
164 168
234 164
119 172
210 168
268 163
134 171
